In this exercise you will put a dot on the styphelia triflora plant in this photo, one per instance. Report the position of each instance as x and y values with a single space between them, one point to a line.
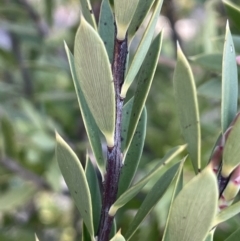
102 76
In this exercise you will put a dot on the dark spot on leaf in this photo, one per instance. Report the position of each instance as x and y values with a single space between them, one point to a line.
76 192
127 112
124 130
91 11
136 29
164 163
105 23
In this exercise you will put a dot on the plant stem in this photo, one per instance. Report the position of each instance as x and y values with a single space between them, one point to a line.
114 158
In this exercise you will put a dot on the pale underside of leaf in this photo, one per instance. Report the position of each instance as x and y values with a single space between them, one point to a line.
231 151
95 78
194 209
76 181
229 82
89 123
124 11
187 107
227 213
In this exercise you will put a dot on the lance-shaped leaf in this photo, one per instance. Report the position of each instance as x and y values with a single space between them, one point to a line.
118 237
178 185
231 151
142 49
229 82
141 12
89 123
134 152
227 213
157 171
234 236
233 11
106 27
144 80
85 234
94 188
95 78
76 181
212 61
187 107
156 192
87 11
194 209
124 11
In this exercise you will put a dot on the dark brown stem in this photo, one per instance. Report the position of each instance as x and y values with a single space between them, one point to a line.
114 159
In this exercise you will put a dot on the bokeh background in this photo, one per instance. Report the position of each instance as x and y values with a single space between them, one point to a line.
37 97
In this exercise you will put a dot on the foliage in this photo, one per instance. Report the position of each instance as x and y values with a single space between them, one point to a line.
129 116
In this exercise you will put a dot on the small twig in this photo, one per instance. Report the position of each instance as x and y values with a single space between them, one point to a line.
16 168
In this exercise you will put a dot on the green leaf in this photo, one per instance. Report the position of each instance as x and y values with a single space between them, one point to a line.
233 12
194 209
178 185
144 82
106 28
158 170
227 213
229 82
94 188
87 11
8 134
118 237
134 152
187 107
124 11
95 78
76 181
234 236
15 197
85 233
89 123
211 61
156 192
231 151
211 89
142 49
141 12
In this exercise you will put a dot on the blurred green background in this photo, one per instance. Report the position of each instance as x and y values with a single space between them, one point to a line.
37 97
